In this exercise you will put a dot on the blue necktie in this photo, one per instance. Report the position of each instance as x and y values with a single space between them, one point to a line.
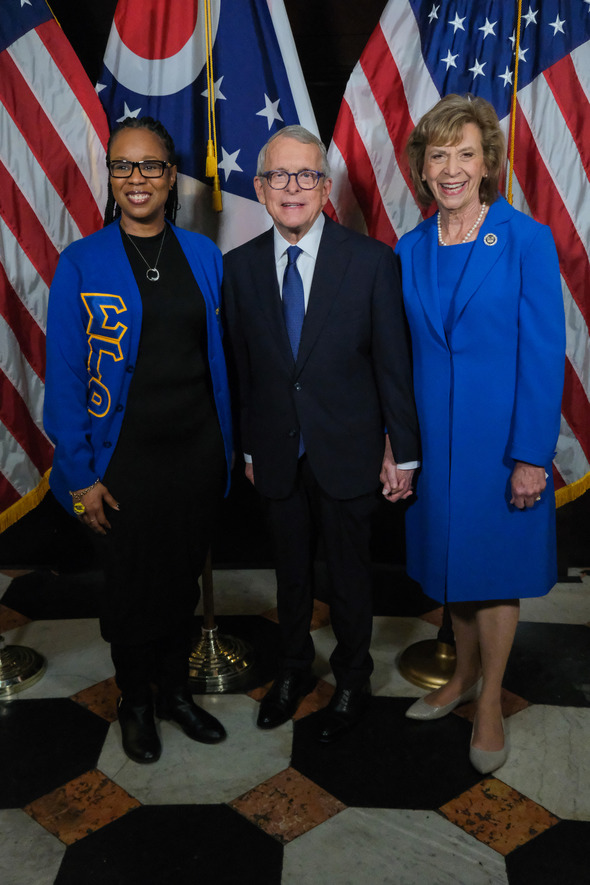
294 307
293 299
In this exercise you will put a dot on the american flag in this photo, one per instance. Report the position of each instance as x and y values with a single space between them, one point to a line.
53 134
155 64
423 50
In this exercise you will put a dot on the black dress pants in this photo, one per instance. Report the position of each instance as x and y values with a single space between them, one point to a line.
164 662
345 526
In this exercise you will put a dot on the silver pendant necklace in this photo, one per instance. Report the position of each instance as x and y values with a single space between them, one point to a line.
152 273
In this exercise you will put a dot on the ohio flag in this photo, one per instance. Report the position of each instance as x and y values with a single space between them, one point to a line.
155 64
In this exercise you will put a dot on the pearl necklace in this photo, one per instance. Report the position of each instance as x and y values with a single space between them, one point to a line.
469 232
152 273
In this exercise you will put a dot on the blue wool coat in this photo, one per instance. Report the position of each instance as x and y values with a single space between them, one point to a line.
93 332
487 394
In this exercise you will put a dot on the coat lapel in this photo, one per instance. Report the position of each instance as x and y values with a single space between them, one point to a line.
490 244
330 268
425 268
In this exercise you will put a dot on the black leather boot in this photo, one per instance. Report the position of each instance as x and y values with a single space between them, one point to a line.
197 724
138 729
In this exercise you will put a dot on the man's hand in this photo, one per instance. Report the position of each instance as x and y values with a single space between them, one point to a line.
397 484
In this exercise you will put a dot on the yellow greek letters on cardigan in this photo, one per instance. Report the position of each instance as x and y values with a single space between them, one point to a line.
105 333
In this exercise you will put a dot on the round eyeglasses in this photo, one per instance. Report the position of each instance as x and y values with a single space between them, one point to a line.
147 168
278 179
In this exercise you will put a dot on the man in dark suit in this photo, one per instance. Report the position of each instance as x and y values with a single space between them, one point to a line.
318 334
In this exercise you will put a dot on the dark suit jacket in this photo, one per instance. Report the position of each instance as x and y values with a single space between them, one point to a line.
352 377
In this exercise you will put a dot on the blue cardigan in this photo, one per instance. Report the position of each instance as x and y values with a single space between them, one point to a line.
93 332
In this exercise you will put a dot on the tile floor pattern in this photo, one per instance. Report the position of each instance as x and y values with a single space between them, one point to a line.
394 802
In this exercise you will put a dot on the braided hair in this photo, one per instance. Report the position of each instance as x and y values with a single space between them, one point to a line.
112 209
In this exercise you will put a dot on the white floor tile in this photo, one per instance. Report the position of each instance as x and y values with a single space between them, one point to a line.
77 657
386 847
564 604
189 772
549 758
29 855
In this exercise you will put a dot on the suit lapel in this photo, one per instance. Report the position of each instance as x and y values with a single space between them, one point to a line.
268 296
330 268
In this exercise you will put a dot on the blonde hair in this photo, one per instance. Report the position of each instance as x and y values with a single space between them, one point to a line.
444 124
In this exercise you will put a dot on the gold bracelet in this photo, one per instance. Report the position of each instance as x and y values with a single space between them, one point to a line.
82 492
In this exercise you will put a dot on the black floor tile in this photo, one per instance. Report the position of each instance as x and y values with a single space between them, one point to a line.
550 664
389 761
46 537
559 855
42 595
397 595
174 845
43 745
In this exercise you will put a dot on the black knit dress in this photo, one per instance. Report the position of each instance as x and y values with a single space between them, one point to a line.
168 471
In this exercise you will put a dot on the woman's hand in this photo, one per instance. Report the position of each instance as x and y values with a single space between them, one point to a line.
94 516
527 483
397 484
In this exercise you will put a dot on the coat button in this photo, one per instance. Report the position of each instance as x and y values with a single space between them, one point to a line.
292 433
297 385
119 408
107 444
130 368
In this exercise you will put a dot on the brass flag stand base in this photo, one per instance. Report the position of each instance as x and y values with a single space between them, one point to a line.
431 662
217 663
20 667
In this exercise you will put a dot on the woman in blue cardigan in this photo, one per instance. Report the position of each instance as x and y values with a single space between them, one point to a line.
483 298
137 406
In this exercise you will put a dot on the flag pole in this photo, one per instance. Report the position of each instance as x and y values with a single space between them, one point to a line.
217 663
211 167
514 91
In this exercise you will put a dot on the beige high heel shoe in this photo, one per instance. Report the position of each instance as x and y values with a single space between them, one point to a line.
486 761
421 710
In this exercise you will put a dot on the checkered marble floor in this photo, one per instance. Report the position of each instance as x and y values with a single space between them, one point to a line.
395 801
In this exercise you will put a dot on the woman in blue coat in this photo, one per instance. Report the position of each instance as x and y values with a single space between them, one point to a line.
137 406
483 299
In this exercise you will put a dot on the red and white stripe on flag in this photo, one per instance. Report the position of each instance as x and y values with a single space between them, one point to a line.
391 87
53 134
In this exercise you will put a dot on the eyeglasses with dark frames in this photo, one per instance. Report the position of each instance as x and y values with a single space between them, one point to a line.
147 168
307 179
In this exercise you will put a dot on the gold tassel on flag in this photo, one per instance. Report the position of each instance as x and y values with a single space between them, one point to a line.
211 162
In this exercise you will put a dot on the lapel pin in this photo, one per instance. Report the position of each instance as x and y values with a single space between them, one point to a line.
490 239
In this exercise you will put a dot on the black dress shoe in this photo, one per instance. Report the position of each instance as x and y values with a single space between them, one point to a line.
281 701
196 723
342 713
138 730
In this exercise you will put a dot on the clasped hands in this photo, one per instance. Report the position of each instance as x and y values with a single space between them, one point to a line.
397 483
